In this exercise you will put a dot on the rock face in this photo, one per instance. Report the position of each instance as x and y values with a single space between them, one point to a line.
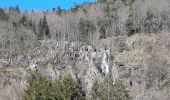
141 62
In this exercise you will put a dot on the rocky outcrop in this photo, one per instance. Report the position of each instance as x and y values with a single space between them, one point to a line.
138 62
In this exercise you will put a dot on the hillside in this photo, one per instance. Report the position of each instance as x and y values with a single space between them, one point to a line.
126 40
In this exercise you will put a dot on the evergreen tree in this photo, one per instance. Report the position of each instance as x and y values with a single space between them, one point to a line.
38 87
104 25
32 26
85 28
66 89
109 91
43 30
151 22
3 15
17 9
27 23
23 21
132 26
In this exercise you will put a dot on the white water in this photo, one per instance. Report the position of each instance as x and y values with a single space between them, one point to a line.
104 65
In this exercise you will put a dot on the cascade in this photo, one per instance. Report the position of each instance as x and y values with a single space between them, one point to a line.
104 65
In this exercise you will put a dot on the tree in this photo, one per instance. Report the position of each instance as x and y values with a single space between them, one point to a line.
67 89
164 21
17 9
27 23
104 25
151 22
32 26
132 26
38 87
43 30
108 91
3 15
59 10
86 29
23 20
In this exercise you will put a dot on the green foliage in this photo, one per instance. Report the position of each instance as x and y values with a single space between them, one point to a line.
43 30
37 88
23 20
85 28
3 15
109 91
32 26
65 88
26 23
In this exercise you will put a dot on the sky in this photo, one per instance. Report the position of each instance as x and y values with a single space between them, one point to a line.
41 4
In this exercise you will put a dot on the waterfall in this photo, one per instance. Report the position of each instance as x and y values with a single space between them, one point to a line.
32 64
104 65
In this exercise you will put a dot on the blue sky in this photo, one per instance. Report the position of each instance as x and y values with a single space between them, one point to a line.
40 4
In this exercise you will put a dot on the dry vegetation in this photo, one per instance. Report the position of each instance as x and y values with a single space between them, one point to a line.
133 34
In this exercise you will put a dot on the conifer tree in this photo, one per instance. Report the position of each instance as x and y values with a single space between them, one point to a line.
37 88
17 9
3 15
43 29
86 28
66 89
151 22
108 91
23 21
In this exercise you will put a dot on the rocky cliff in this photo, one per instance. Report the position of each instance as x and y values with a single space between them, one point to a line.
141 62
